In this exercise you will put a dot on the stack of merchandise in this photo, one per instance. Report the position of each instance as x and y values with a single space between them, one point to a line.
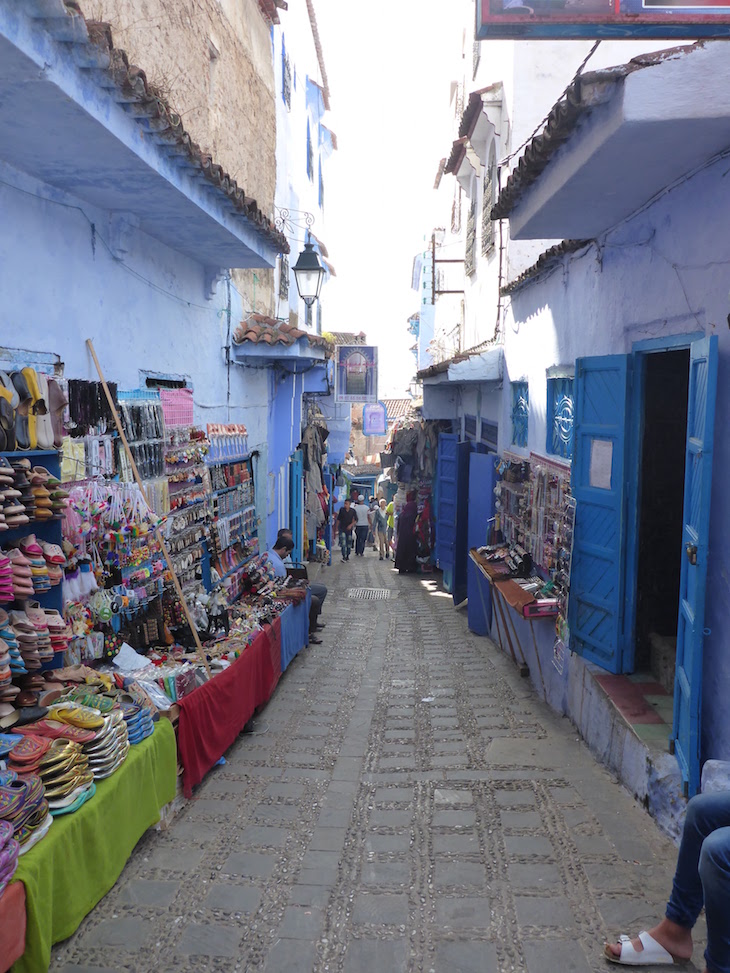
62 767
9 850
12 510
108 749
139 722
22 798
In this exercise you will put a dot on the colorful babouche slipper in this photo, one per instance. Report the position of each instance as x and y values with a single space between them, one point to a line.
53 730
7 742
34 835
77 715
29 749
83 794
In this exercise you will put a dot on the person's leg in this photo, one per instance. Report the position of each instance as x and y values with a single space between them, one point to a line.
314 609
715 875
343 544
320 590
705 814
381 544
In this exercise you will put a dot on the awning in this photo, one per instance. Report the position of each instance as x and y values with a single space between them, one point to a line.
486 365
76 116
619 137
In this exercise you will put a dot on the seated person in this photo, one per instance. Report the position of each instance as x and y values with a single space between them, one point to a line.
319 591
702 878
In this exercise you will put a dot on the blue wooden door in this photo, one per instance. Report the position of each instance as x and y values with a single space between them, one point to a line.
296 503
596 605
695 539
447 472
461 547
482 478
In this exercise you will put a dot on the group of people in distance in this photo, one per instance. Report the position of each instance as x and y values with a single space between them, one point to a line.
377 520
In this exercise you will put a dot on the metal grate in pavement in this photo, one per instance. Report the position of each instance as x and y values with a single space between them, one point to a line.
369 594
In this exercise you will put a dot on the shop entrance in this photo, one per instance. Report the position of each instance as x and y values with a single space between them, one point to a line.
660 505
639 498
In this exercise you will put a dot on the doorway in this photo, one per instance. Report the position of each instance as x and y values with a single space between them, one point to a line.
661 497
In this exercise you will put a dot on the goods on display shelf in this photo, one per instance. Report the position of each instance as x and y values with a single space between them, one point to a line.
535 517
94 644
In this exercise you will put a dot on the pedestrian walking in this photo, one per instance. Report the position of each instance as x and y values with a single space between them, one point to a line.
380 528
346 520
361 528
390 514
373 506
702 879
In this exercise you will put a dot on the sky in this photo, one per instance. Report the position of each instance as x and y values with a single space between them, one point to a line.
388 65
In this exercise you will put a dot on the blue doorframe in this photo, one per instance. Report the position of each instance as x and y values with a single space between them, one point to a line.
686 730
635 433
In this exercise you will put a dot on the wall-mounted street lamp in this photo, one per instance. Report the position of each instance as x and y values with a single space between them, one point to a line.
309 274
308 271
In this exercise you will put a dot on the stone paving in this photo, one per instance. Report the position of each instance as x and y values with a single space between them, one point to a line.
406 803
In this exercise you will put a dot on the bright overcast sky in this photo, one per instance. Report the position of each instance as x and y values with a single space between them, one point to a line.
389 69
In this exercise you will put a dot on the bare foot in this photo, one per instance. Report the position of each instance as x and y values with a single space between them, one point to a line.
676 939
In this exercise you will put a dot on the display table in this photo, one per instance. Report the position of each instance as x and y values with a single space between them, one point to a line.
83 854
212 716
507 594
294 629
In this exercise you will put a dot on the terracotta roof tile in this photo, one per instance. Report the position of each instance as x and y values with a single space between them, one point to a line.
545 262
397 408
261 329
583 94
348 337
110 69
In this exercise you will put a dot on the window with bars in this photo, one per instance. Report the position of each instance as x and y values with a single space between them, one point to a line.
560 414
470 428
520 413
286 78
456 210
310 154
490 173
284 277
470 256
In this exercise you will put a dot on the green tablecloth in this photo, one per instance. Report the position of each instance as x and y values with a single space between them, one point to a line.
83 854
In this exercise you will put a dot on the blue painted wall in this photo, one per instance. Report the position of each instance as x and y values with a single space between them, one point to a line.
663 272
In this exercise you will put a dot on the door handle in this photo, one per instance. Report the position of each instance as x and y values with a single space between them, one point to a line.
691 550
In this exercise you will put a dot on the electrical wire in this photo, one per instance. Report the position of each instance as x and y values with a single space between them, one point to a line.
542 124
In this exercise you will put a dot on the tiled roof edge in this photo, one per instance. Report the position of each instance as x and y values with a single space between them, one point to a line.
545 262
585 93
95 52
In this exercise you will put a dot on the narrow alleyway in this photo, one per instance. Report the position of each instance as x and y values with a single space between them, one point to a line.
406 804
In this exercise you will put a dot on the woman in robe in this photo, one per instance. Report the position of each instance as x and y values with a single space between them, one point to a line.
405 552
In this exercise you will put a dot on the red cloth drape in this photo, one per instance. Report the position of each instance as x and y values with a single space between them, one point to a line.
213 715
12 924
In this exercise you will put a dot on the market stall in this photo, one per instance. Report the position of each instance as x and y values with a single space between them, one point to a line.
82 856
132 595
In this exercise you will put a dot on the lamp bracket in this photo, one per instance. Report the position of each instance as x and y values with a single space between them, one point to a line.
285 221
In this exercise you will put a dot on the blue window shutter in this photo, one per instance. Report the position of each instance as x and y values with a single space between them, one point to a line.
596 603
310 153
695 541
520 413
560 417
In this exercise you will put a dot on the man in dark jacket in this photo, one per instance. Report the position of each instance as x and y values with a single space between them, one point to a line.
346 520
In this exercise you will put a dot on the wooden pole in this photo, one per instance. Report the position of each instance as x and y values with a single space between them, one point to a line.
158 532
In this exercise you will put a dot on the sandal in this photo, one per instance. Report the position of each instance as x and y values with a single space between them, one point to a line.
76 715
653 953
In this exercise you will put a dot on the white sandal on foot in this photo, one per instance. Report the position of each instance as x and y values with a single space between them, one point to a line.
653 953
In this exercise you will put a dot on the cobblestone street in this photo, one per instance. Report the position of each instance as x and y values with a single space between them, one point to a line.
406 803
